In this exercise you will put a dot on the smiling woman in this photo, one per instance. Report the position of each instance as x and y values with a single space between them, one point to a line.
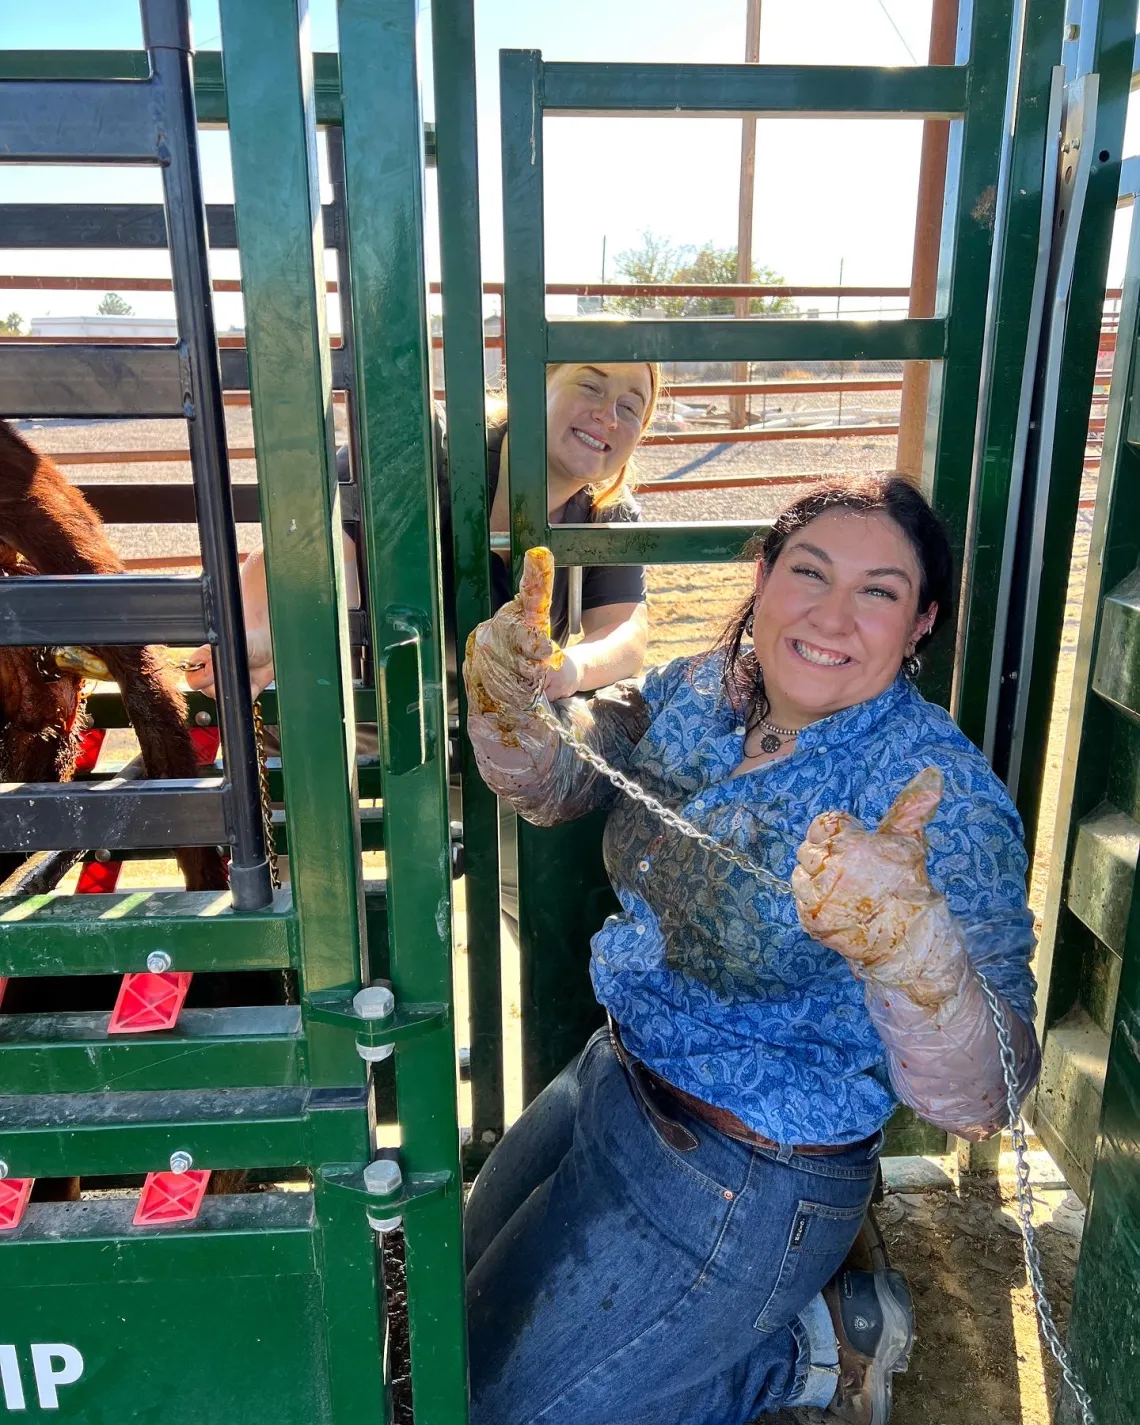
759 1038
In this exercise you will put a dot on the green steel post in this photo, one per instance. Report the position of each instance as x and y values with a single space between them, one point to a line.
457 181
524 295
1013 324
384 171
984 45
1114 49
277 204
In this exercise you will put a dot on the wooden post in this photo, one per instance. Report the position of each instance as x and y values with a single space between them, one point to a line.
737 404
927 235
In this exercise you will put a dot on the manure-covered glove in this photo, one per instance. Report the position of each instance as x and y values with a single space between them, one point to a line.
508 657
867 895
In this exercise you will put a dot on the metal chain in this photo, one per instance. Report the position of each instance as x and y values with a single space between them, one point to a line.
639 794
266 803
1025 1207
1005 1042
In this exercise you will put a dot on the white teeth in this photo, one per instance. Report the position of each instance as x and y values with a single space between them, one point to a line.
590 441
825 660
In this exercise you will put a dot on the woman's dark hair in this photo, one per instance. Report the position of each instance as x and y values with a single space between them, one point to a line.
894 496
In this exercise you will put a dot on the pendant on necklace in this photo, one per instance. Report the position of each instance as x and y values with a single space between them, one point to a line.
770 743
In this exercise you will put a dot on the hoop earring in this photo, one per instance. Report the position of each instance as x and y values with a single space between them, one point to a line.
748 623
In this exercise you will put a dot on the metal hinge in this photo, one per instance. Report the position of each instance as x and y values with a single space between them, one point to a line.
373 1015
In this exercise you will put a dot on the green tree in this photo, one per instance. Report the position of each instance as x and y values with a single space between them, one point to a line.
13 324
658 260
113 305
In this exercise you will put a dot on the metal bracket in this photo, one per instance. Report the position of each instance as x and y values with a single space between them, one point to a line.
385 1209
376 1035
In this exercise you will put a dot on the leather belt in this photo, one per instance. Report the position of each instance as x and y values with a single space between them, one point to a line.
653 1090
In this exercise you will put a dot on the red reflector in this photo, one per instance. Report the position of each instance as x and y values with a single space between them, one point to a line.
171 1197
3 987
14 1194
148 1002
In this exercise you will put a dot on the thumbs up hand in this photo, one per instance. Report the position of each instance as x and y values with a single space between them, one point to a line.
866 895
509 657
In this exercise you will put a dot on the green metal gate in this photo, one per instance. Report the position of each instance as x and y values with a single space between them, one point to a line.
266 1302
974 93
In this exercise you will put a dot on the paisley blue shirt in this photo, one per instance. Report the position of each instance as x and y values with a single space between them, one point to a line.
707 970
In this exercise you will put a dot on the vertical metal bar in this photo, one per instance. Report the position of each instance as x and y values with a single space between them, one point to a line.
269 84
384 169
1013 325
524 296
166 30
457 179
985 34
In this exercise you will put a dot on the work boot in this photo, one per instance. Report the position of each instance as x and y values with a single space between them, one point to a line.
874 1327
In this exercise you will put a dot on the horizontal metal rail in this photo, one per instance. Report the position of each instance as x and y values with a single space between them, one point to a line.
759 433
75 226
738 90
97 609
90 121
758 339
45 377
49 816
58 934
655 542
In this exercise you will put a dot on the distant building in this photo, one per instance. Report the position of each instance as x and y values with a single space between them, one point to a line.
165 327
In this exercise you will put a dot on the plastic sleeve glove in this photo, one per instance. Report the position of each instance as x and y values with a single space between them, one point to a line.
867 895
520 758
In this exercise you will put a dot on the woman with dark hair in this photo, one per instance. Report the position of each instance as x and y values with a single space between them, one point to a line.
650 1240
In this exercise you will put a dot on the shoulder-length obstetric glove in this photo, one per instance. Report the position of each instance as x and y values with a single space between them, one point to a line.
867 895
520 757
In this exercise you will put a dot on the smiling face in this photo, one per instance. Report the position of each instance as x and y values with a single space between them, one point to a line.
836 614
594 418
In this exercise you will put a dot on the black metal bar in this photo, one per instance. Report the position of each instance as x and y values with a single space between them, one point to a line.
71 379
235 369
166 31
95 609
81 121
109 225
50 816
124 503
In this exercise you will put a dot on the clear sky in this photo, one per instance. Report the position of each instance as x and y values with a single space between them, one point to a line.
827 192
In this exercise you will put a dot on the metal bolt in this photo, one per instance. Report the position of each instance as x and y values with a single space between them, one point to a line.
158 962
181 1162
374 1002
203 718
3 1168
102 856
489 1135
384 1178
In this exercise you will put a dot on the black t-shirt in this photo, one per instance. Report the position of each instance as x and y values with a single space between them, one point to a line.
602 585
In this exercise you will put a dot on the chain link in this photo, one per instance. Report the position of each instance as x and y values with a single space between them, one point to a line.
1005 1042
266 803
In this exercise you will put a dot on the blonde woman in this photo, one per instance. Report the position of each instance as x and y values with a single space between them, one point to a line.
595 417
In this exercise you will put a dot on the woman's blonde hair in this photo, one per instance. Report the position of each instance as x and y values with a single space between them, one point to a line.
626 478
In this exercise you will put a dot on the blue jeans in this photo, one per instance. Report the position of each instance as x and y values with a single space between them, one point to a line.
614 1279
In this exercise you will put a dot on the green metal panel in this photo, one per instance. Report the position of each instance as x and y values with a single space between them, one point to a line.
645 542
1112 51
453 57
384 172
1089 945
984 41
1023 203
